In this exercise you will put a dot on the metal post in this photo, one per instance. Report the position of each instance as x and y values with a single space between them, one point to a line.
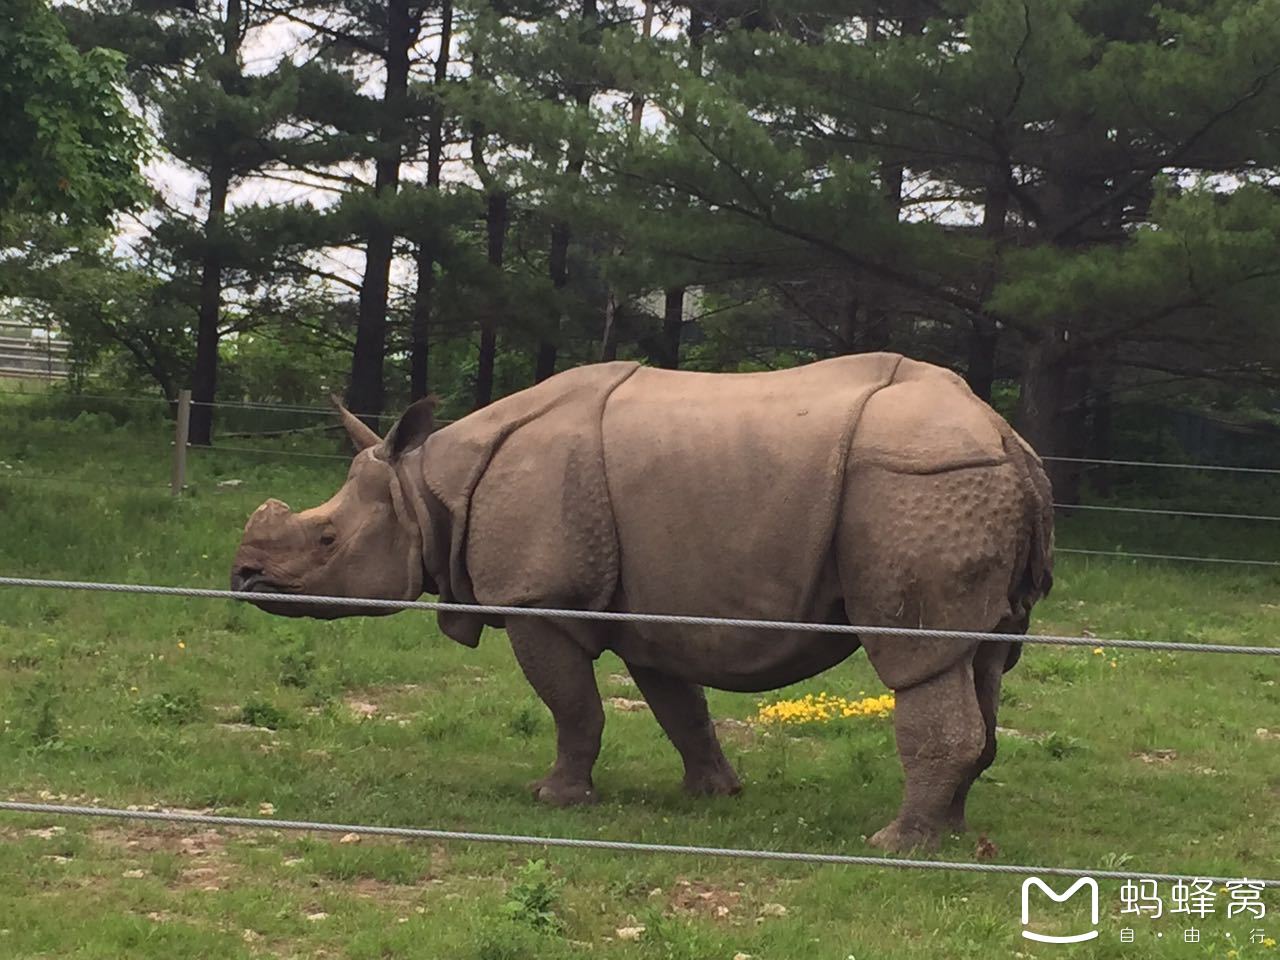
178 479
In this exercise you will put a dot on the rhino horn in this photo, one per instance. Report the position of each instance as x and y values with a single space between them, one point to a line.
357 429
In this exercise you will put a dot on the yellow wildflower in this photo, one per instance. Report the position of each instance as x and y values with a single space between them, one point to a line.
824 708
1097 651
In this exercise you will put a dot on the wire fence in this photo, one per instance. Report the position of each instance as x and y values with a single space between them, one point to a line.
323 410
1165 465
1164 512
626 846
298 456
1165 557
674 620
620 846
684 620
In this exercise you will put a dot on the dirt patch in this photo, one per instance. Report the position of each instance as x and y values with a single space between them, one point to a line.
244 728
693 898
627 706
1013 734
1156 756
740 733
46 833
383 891
204 855
374 703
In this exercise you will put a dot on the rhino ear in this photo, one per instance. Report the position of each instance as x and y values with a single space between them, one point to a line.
411 429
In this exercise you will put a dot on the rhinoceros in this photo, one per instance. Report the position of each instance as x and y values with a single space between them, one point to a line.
869 489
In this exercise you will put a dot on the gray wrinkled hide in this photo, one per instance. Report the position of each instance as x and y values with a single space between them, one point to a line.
868 489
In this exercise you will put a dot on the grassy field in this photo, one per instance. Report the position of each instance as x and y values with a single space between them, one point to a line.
1143 761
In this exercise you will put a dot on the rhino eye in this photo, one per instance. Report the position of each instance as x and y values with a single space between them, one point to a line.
327 539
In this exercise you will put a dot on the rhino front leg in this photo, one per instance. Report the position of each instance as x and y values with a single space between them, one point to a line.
560 671
681 708
941 736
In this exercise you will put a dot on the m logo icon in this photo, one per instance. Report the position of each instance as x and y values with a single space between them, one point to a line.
1046 938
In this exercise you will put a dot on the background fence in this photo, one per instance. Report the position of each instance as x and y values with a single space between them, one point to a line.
1154 511
306 440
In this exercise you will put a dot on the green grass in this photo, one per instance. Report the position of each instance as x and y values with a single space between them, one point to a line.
206 705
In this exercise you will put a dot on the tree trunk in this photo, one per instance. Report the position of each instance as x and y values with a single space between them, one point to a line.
672 325
609 340
204 376
1101 435
1051 411
419 347
983 333
673 296
496 228
558 267
559 258
367 394
877 332
546 361
980 372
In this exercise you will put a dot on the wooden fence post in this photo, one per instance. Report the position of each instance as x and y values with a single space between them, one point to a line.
178 479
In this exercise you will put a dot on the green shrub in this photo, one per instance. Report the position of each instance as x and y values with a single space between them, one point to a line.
260 713
167 709
532 899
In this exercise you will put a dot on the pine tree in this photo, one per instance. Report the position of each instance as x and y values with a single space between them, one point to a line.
1028 135
186 71
357 40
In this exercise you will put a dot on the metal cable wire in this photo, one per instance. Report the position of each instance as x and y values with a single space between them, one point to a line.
1163 464
300 408
276 407
1121 555
83 396
261 451
1162 512
55 480
615 616
467 836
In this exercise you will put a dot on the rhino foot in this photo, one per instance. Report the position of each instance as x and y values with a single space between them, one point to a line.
558 792
900 838
955 821
718 781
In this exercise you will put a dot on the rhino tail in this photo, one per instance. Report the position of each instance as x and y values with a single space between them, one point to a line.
1033 572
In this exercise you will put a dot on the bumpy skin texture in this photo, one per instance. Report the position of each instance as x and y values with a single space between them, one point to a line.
869 489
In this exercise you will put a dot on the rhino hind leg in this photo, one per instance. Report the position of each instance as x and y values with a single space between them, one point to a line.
988 672
681 709
560 671
941 738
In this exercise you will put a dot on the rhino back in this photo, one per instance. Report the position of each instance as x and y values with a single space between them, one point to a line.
725 486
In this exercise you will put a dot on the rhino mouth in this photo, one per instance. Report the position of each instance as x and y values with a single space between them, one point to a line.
258 583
